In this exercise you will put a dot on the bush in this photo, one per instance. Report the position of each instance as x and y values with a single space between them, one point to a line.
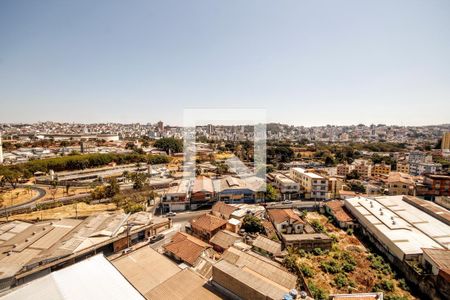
317 226
330 266
306 270
384 285
348 267
340 280
317 251
317 292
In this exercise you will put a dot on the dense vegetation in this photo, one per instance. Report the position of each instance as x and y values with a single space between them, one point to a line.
75 162
169 144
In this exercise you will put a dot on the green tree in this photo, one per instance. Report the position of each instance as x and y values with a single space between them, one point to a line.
112 189
271 193
11 176
252 224
138 180
169 144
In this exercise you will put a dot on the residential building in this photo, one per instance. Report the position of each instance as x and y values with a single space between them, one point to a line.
206 226
312 186
223 240
202 192
239 190
403 167
288 188
187 248
445 144
246 275
267 247
434 185
341 215
307 241
362 167
222 210
343 169
381 169
286 221
177 197
400 184
157 277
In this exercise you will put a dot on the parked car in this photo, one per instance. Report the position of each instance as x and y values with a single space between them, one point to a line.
287 202
171 214
156 238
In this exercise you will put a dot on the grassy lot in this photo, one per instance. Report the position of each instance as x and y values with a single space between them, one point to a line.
16 196
66 211
347 268
61 192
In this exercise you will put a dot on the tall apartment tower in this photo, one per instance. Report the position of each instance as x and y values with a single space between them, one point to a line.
1 149
445 145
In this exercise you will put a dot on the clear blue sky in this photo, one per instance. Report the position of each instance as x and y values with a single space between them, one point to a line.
308 62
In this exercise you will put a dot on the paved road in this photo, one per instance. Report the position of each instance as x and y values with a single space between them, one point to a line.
41 193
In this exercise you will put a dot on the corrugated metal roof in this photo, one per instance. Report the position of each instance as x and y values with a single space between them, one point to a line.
93 278
401 226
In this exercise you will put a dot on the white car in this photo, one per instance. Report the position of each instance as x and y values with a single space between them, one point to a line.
171 214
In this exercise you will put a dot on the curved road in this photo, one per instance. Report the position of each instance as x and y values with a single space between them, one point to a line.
31 204
41 193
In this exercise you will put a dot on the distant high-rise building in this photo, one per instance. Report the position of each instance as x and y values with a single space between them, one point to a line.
1 149
210 129
445 145
160 126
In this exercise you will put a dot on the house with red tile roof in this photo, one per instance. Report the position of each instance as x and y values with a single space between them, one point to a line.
206 226
186 248
286 221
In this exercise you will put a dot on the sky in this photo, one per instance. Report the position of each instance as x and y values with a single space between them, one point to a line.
305 62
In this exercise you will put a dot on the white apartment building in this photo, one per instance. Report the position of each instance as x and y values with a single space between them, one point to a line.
313 186
288 187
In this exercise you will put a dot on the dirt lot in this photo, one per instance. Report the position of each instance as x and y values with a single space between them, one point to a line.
16 196
67 211
348 267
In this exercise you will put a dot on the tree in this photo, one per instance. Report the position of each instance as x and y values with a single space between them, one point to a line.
357 187
12 176
252 224
271 193
329 161
169 144
138 180
112 189
352 175
54 188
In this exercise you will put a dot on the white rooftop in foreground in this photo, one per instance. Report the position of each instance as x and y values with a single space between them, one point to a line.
400 225
93 278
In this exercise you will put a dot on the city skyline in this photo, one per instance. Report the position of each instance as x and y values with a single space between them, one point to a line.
305 62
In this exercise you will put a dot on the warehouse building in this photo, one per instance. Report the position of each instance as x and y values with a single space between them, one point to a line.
400 228
29 251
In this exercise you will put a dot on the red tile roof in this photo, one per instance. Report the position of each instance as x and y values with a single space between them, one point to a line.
207 223
282 215
186 247
339 211
224 209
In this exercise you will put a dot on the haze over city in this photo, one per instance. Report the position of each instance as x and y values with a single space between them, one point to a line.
306 62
